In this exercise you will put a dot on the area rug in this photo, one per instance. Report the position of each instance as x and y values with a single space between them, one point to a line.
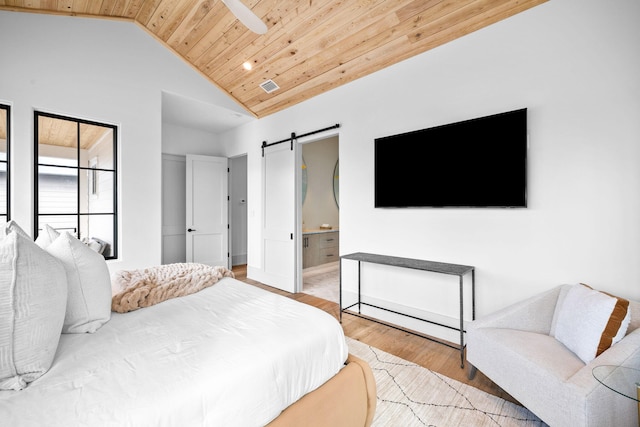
410 395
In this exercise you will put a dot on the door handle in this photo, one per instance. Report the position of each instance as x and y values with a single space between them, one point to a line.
191 229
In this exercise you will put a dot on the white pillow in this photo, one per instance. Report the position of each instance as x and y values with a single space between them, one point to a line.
13 226
47 236
589 322
89 283
33 297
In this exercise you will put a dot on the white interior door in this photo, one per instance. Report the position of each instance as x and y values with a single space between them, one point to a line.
279 217
207 210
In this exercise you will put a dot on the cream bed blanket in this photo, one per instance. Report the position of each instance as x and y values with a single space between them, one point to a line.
134 289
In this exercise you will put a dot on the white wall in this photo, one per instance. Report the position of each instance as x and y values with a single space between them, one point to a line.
103 70
575 65
181 140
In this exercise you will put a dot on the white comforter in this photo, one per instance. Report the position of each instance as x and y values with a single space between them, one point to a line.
229 355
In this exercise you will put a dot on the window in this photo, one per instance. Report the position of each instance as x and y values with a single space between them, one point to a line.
5 138
76 180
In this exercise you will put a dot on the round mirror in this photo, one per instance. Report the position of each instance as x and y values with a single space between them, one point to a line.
304 180
336 183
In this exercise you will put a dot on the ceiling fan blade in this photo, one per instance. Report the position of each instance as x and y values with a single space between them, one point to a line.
246 16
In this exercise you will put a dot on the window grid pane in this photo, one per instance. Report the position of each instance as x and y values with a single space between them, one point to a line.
4 131
96 190
5 177
60 223
76 182
57 190
4 189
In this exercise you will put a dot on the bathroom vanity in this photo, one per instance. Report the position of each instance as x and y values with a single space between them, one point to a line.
320 247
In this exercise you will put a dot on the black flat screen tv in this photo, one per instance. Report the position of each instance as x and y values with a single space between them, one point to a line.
479 163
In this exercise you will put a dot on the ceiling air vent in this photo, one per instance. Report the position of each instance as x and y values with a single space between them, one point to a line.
269 86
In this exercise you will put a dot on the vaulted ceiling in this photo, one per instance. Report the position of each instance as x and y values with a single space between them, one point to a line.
311 46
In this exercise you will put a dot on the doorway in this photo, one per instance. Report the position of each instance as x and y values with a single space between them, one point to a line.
238 209
174 223
320 207
174 201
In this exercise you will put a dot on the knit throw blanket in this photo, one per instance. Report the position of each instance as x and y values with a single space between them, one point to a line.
134 289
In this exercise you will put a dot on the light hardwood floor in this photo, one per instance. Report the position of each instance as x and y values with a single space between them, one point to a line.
431 355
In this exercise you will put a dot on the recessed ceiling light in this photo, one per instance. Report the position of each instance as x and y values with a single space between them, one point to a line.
247 65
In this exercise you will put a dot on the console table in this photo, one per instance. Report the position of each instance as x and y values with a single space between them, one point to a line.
416 264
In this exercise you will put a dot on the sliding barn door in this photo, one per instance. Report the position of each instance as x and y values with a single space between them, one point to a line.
278 220
207 210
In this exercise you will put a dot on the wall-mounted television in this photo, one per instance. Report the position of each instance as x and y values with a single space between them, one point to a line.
476 163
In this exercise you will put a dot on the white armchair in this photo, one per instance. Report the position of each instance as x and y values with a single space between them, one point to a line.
515 349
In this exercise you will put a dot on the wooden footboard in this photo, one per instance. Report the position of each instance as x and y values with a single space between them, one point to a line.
346 400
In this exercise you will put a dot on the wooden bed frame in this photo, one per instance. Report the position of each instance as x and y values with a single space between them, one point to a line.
346 400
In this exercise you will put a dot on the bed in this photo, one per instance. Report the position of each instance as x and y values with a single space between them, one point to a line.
228 355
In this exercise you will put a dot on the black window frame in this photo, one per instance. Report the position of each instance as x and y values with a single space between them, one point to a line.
78 214
7 162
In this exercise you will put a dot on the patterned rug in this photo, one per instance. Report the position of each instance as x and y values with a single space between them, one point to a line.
410 395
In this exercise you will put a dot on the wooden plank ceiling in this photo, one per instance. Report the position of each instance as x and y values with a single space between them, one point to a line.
3 129
310 47
66 133
63 133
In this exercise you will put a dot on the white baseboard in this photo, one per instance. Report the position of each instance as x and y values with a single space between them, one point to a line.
239 259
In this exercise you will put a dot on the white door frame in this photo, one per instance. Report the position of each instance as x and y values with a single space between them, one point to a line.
260 274
298 214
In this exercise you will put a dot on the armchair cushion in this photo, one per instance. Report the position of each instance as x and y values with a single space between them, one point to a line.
589 322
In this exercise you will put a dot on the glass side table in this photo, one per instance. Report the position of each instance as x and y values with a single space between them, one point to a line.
623 380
